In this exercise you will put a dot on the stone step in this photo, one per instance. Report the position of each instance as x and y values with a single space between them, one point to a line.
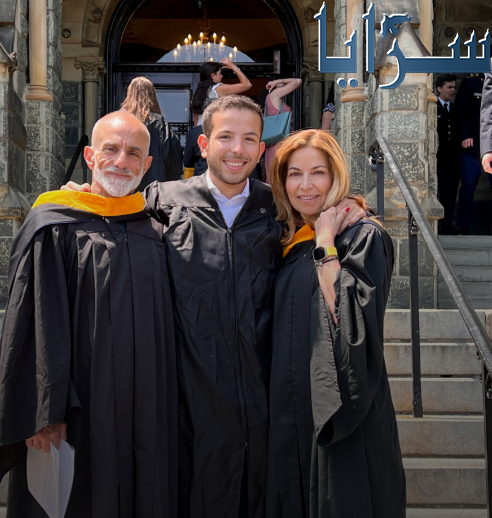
445 482
435 325
449 303
469 257
470 274
445 513
441 436
452 358
474 289
439 395
479 294
466 242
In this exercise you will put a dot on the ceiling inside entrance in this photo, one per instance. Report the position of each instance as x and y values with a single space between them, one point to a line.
157 27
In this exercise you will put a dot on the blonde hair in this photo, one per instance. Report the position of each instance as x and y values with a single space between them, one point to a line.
141 99
317 139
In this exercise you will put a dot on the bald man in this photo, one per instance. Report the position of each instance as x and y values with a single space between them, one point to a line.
87 349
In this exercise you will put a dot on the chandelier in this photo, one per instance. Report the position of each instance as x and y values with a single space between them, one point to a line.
202 49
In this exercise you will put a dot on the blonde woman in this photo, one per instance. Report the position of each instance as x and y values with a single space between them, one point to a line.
165 149
329 378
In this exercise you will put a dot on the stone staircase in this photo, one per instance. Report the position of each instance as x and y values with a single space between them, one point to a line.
444 451
471 259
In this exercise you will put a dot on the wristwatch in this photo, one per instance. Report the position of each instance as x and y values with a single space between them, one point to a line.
323 254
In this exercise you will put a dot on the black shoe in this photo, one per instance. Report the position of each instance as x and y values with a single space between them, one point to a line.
463 231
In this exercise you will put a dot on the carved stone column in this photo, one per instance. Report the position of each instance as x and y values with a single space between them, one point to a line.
38 52
315 87
355 10
426 11
91 74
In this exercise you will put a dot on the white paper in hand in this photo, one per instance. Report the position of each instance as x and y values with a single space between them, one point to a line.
50 477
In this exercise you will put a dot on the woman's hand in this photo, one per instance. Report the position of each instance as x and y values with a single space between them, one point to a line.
328 224
227 63
272 84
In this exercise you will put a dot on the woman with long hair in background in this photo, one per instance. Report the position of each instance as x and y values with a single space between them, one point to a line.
210 86
165 150
272 100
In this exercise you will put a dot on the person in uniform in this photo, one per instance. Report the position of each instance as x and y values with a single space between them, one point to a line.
468 103
448 154
87 347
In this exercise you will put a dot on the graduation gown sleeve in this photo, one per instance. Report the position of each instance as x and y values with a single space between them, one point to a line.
35 351
347 362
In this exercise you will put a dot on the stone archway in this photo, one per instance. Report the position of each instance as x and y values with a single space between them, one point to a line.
282 9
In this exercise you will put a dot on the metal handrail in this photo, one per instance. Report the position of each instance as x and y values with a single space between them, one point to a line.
417 221
84 141
469 314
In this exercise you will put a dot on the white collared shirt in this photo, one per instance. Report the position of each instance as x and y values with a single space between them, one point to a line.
230 208
445 104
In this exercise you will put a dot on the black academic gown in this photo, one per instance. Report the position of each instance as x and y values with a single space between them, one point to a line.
165 150
222 284
88 340
329 381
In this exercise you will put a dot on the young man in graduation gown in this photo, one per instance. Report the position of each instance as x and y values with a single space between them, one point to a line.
87 349
223 252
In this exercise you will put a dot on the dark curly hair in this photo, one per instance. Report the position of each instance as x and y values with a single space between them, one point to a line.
205 83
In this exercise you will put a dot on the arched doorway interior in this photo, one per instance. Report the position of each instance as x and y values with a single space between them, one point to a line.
143 36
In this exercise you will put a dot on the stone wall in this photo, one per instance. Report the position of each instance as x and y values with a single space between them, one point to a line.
13 136
407 120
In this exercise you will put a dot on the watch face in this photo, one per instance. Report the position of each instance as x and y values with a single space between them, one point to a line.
319 253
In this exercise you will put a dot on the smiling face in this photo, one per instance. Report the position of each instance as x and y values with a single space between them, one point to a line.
234 147
309 180
118 156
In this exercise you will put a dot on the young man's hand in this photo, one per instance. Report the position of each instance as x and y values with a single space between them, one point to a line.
355 214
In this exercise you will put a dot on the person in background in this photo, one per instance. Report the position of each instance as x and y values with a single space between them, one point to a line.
448 153
486 124
165 149
270 98
329 110
194 163
334 449
468 102
210 86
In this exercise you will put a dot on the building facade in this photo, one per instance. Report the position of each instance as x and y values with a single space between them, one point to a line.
63 64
